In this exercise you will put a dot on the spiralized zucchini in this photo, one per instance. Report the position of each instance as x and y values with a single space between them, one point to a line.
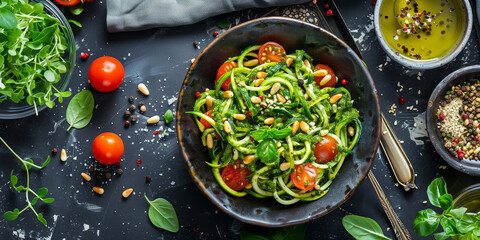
299 115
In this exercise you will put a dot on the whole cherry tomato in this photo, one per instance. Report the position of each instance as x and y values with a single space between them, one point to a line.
325 150
304 176
108 148
67 2
226 67
106 74
271 52
234 175
330 72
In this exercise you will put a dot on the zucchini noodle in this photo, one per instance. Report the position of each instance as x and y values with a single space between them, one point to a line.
281 97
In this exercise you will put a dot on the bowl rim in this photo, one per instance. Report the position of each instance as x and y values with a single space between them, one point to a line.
437 141
427 64
189 164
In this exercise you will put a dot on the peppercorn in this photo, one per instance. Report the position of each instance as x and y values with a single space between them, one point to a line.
91 169
127 114
54 151
148 178
108 175
300 82
99 178
140 104
130 99
133 118
127 123
196 43
132 108
119 171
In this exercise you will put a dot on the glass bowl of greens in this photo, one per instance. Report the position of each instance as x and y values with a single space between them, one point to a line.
37 56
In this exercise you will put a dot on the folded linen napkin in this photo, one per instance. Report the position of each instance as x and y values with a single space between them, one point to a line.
133 15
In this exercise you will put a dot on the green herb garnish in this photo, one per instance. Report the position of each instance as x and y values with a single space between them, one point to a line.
267 151
168 116
363 228
80 109
39 195
162 214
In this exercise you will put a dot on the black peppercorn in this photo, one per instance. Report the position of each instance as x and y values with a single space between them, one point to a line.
148 178
140 104
127 114
300 82
119 171
132 108
54 151
133 118
130 99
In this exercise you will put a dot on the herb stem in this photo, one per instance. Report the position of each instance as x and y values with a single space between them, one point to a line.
19 158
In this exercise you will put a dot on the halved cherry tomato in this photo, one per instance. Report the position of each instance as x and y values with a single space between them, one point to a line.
271 52
68 2
204 122
226 67
107 148
305 176
234 175
325 150
106 74
331 82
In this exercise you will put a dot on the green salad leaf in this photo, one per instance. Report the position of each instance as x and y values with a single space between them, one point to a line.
168 116
162 214
363 228
267 151
80 109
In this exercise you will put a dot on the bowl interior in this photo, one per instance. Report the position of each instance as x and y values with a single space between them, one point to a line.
324 48
429 63
11 110
468 74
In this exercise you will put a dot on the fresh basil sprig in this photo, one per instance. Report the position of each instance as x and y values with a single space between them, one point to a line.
455 222
162 214
80 109
267 151
273 133
363 228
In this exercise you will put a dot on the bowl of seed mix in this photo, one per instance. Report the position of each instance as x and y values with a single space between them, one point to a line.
453 119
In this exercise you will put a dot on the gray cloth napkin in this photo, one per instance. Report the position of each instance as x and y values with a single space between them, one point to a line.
133 15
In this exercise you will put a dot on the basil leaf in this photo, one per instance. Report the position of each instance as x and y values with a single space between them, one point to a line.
458 213
168 116
75 10
437 188
362 228
290 233
76 23
80 109
267 151
449 226
446 201
162 214
440 236
426 222
259 134
465 225
7 19
280 134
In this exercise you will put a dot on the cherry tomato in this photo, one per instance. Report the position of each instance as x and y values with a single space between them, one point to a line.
106 74
305 176
234 175
67 2
107 148
204 122
331 82
271 52
226 67
326 150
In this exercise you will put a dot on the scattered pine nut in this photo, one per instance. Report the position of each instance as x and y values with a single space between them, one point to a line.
317 187
351 131
320 73
275 88
289 61
143 108
228 94
325 79
98 190
307 63
209 141
153 120
258 82
285 166
304 126
143 89
239 116
242 83
255 99
324 132
63 155
227 127
269 121
251 63
261 74
248 159
295 127
335 98
127 192
280 98
86 177
209 102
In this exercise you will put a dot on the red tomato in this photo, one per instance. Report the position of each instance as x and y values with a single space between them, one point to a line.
331 82
106 74
234 175
226 67
107 148
305 176
204 122
326 150
271 52
68 2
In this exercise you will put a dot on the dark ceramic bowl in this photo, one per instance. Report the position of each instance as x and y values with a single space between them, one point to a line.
466 74
323 47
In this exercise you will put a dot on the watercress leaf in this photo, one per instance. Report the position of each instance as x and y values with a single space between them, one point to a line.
168 116
244 235
80 109
75 10
38 95
7 18
13 179
76 23
440 236
280 134
289 233
65 94
437 188
162 214
267 151
19 188
476 230
37 7
259 134
50 104
458 213
426 222
362 228
48 200
42 192
11 215
28 163
2 60
41 219
446 201
34 201
49 75
45 35
12 52
449 226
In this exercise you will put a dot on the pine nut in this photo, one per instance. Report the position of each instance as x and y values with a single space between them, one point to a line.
320 73
280 98
153 120
275 88
248 186
258 82
269 121
307 63
325 79
351 131
261 74
209 102
228 94
86 177
239 116
304 126
235 154
98 190
143 108
248 159
251 63
255 99
324 132
317 187
63 155
227 127
285 166
127 192
295 127
289 61
335 98
209 141
143 89
242 83
477 151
